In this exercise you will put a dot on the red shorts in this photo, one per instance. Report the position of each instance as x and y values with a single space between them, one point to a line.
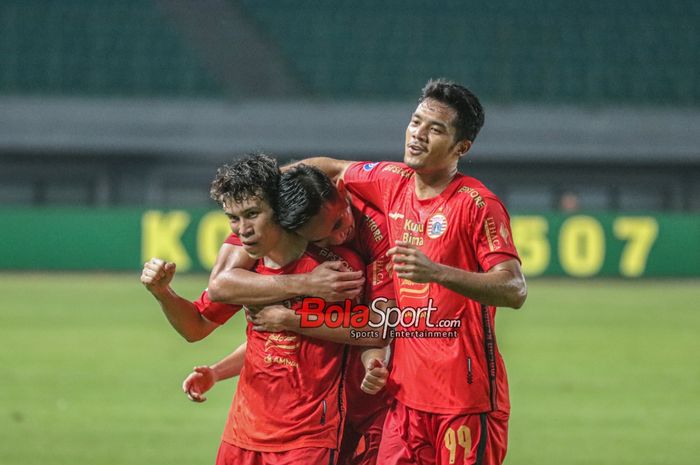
414 437
234 455
361 447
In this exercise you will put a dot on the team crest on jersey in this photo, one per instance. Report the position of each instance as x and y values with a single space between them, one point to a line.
437 225
369 166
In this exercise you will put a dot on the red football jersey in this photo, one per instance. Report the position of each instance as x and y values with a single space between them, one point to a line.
290 392
371 242
215 311
466 227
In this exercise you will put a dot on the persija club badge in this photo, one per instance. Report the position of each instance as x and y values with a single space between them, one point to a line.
437 225
371 321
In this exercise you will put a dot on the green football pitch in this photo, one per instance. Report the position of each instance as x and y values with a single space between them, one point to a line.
601 372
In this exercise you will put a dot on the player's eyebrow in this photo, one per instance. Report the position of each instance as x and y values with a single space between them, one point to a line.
432 122
244 212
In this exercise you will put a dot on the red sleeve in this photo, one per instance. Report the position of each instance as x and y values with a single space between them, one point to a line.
214 311
492 239
380 282
233 240
374 181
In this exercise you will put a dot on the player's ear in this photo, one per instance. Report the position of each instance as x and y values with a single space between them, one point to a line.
341 187
463 147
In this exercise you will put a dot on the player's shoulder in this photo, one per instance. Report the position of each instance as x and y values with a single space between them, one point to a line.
349 257
366 211
473 192
384 168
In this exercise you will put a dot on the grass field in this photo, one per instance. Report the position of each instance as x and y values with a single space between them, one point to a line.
603 372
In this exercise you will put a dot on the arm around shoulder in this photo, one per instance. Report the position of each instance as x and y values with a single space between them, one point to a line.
333 168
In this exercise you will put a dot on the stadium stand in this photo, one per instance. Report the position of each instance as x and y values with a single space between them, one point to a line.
135 102
595 52
95 48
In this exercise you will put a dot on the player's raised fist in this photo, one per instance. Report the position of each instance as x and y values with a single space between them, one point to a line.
157 274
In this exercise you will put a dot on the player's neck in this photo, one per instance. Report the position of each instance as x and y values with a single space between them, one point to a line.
429 185
290 248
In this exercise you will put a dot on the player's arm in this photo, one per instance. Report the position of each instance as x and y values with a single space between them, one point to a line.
231 281
205 377
180 312
333 168
502 286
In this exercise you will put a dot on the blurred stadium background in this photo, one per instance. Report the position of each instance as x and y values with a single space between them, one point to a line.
115 114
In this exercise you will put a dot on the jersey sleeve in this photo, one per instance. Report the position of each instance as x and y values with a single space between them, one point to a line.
373 181
215 311
492 238
233 240
379 280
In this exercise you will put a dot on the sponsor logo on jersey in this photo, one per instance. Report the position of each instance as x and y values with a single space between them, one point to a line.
396 216
476 197
374 228
369 166
437 225
491 234
403 172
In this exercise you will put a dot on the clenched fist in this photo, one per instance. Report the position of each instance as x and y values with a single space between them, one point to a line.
157 275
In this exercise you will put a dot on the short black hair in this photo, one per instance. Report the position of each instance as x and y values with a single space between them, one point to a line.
303 191
470 113
255 175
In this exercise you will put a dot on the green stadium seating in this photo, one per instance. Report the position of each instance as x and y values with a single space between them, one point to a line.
596 52
95 47
549 51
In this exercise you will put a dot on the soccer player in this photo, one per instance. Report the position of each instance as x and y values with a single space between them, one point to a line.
311 205
289 403
453 250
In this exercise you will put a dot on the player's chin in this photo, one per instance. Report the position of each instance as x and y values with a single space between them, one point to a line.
411 161
253 252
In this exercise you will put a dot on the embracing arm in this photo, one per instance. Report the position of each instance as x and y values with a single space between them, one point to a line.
333 168
231 281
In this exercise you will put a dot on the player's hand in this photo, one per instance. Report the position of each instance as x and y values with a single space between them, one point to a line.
198 382
376 375
332 282
157 275
272 318
412 264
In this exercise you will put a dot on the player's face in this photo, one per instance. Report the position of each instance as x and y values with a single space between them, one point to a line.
333 225
430 138
253 221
